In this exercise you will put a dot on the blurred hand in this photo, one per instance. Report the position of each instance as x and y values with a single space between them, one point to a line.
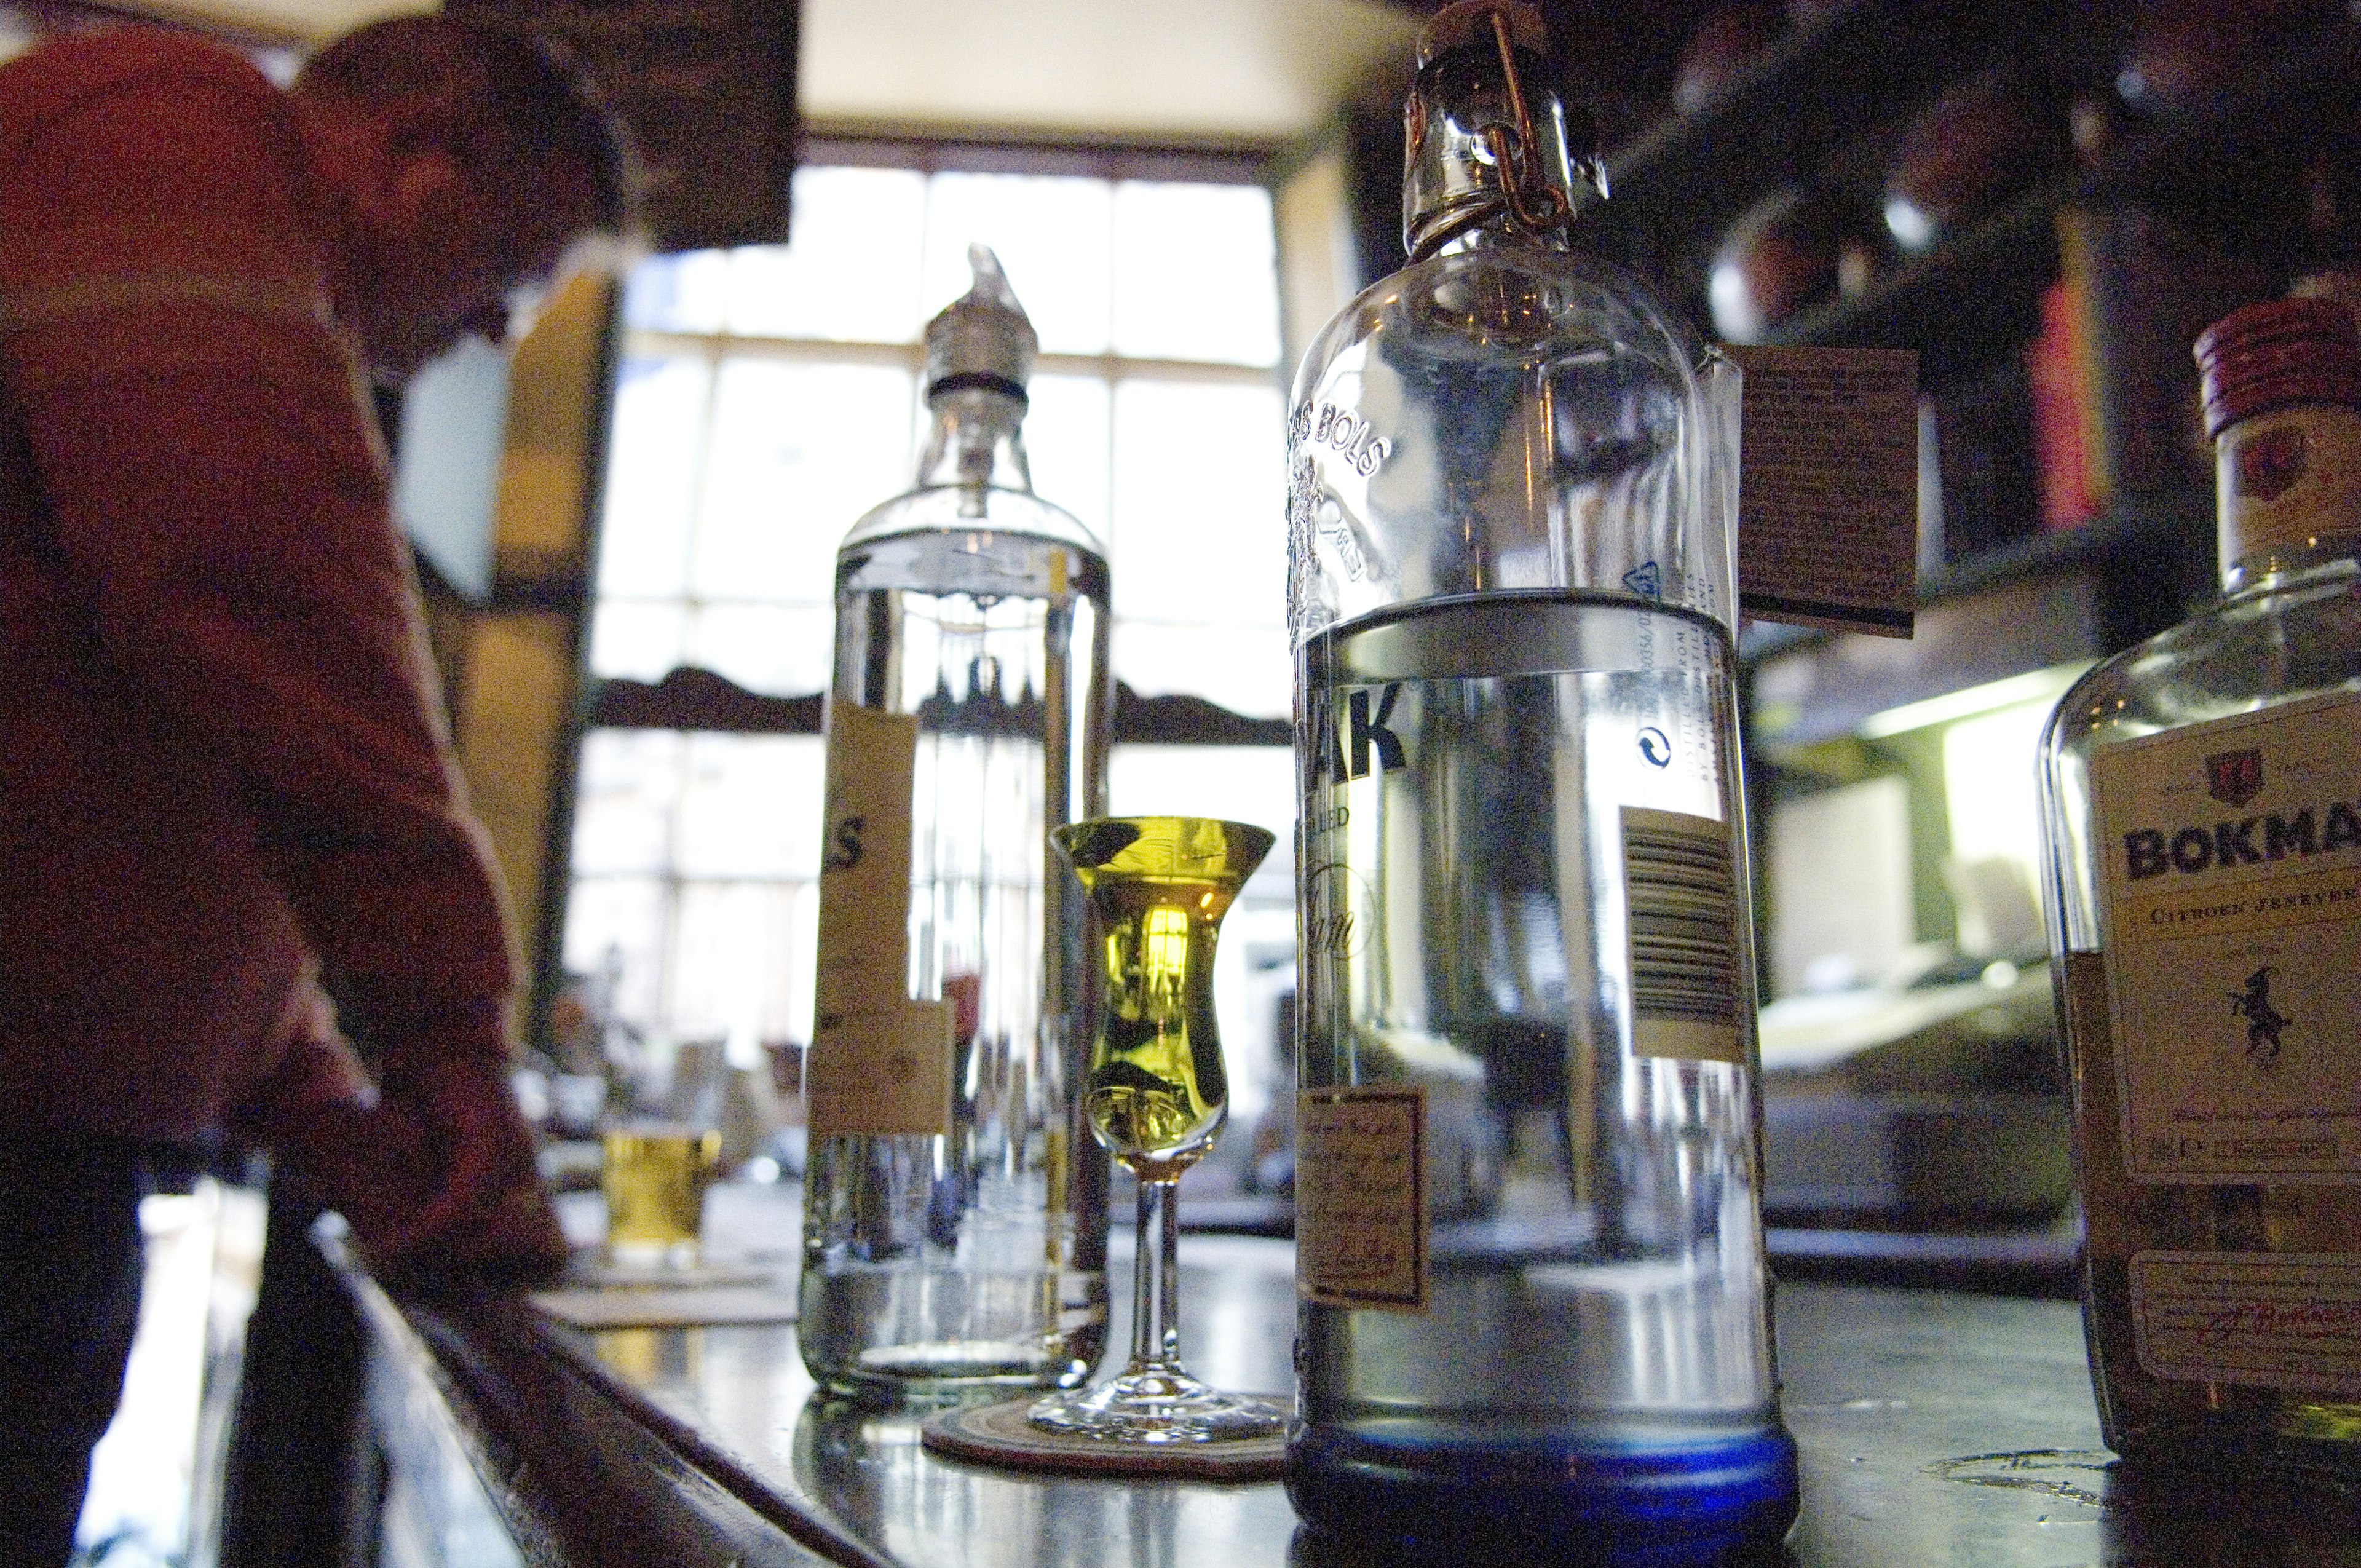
480 1210
435 1171
323 1121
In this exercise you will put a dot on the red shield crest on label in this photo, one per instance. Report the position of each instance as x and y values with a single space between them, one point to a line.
2270 464
2234 778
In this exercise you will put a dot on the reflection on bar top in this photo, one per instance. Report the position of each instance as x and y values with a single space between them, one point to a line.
1811 1034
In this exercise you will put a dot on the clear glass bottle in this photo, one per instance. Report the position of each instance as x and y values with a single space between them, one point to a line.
955 1202
2201 793
1536 1305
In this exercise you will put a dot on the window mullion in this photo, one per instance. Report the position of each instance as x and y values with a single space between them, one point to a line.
646 343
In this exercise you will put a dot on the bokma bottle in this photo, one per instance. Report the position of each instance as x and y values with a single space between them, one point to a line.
2202 792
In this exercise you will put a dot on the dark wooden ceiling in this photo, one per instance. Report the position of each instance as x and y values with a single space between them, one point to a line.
1623 58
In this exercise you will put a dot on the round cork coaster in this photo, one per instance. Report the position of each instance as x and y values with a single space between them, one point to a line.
1000 1434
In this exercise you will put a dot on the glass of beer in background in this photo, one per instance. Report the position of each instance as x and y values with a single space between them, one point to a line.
654 1176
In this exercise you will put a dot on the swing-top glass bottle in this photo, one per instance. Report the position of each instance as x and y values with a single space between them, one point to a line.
1536 1305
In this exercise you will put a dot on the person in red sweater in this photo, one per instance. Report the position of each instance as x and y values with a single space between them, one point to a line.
228 792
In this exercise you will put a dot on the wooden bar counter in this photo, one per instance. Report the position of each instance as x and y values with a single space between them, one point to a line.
1938 1428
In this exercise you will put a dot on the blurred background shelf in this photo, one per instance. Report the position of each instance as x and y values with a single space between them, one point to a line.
2046 204
2221 162
1822 83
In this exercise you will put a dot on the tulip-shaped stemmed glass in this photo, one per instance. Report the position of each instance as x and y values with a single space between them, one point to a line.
1157 1096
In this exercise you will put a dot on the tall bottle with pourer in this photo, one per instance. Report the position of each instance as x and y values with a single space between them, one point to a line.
1534 1304
955 1205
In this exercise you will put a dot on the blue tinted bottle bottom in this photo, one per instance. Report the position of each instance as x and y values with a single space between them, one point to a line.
1726 1497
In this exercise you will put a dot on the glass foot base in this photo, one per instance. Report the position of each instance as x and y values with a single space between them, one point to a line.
1166 1407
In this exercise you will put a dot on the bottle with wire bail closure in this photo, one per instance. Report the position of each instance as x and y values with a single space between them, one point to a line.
1533 1299
955 1201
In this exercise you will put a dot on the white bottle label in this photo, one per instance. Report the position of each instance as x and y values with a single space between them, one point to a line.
880 1063
2232 909
2291 1320
1681 891
881 1074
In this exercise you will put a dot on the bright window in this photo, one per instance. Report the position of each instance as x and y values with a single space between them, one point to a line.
769 396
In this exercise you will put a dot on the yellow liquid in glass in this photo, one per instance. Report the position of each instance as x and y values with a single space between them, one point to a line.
1157 1093
654 1179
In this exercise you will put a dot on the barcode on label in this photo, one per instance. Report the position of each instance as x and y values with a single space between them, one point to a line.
1681 891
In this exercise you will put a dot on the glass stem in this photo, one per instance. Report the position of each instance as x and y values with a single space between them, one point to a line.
1155 1311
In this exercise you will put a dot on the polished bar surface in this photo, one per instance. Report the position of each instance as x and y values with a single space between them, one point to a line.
1937 1429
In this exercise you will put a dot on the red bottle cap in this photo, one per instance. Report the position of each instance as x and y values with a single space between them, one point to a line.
2275 355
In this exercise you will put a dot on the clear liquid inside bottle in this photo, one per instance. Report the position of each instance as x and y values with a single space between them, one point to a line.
978 1256
1522 880
1595 1310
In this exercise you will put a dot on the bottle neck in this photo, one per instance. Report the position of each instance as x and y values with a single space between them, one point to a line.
2287 492
1487 156
977 442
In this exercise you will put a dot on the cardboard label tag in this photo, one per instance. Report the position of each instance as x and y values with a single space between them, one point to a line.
864 877
881 1074
880 1064
1360 1207
1827 505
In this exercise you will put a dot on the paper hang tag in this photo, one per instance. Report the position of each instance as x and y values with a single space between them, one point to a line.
1828 504
1360 1196
880 1064
884 1074
864 879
